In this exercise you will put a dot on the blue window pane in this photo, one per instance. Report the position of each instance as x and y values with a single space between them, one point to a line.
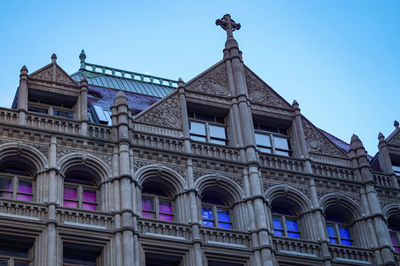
291 225
207 213
293 235
346 242
344 232
277 222
224 225
278 233
332 240
331 230
208 223
223 216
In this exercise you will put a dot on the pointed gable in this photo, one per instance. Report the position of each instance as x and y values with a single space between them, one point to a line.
53 73
165 113
317 142
394 138
262 94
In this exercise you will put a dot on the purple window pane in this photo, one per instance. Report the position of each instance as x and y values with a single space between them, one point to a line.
224 225
331 230
292 225
25 187
88 206
70 204
344 232
6 195
208 223
394 240
166 217
24 197
332 240
396 249
277 222
148 215
223 216
293 235
5 183
207 213
346 242
278 233
165 207
89 196
147 204
70 193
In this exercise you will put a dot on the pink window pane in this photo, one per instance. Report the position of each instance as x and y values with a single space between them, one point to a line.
148 215
25 187
165 207
147 204
70 204
394 239
24 197
70 193
88 206
166 217
6 195
89 196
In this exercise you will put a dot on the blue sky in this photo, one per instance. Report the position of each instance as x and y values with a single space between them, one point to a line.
339 59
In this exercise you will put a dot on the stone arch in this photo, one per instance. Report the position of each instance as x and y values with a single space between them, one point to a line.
391 209
99 169
343 201
35 160
290 193
173 181
233 192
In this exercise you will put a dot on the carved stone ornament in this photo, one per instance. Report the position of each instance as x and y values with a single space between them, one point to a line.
317 142
166 114
47 75
395 140
261 93
214 82
44 74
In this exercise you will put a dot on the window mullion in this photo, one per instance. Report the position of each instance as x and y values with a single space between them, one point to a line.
284 225
215 215
338 234
157 207
80 196
15 186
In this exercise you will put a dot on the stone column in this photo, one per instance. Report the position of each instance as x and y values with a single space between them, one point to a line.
384 159
82 115
23 96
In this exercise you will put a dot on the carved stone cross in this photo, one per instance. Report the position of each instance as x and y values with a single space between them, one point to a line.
228 24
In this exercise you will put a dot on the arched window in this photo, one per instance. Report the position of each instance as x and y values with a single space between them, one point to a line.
337 226
80 190
284 218
394 231
156 204
16 183
215 212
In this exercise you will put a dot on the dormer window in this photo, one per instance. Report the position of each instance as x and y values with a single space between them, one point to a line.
207 128
51 103
57 110
272 139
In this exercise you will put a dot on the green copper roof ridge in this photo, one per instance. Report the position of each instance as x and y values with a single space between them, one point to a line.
124 73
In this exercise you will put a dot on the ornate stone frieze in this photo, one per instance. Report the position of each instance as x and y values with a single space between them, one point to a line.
166 113
261 93
317 142
63 151
213 82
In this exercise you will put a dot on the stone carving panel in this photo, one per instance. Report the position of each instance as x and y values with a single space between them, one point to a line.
197 173
214 82
62 77
45 74
395 140
317 142
166 114
260 93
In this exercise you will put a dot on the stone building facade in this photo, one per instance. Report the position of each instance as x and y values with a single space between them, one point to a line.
111 167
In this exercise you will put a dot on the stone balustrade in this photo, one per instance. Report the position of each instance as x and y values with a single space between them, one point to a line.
52 123
281 162
99 131
296 246
85 218
351 254
171 230
215 151
334 172
8 116
22 210
383 180
158 142
225 237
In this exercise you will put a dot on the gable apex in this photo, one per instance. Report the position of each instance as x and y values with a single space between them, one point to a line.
53 73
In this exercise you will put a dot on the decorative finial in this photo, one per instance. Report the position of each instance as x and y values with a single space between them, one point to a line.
355 142
53 58
228 24
24 69
82 56
381 137
180 82
396 124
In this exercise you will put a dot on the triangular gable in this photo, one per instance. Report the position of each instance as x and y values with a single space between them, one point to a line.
318 142
47 74
262 94
165 113
213 81
394 138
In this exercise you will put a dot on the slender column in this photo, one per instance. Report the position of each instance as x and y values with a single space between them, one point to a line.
23 96
384 158
83 106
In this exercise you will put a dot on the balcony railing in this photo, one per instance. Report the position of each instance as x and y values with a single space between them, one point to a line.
162 229
22 210
383 180
52 123
99 131
334 172
225 237
296 247
83 218
8 116
282 163
215 151
351 254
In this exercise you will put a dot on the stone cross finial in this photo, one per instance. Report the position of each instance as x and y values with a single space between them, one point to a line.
228 24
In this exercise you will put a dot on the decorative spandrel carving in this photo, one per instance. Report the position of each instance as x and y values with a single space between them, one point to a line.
261 93
317 142
197 173
395 140
61 152
166 113
214 82
44 74
61 76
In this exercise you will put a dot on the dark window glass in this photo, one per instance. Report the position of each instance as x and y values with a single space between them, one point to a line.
38 109
62 113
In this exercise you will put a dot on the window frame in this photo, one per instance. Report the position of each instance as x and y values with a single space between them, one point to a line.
396 234
208 138
12 259
285 231
51 108
156 203
14 181
338 238
80 189
271 136
215 221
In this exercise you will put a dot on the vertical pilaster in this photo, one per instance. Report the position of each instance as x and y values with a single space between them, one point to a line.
384 158
23 96
82 113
